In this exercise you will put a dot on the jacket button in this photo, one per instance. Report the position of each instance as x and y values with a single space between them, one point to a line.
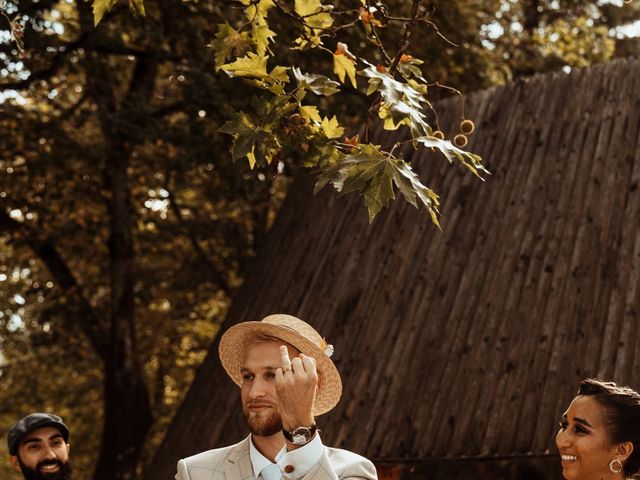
289 468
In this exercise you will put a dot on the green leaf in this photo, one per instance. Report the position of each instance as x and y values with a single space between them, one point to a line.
256 142
245 134
411 188
100 7
229 43
343 65
373 173
318 84
409 67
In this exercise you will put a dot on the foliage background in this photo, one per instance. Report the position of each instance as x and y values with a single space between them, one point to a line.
197 219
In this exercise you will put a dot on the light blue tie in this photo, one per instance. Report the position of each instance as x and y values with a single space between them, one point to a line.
271 472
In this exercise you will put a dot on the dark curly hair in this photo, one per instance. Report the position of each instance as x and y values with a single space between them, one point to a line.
622 406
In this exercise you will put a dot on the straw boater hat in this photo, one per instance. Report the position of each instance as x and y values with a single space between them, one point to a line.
293 331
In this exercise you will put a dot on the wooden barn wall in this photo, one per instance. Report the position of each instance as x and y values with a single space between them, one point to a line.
466 343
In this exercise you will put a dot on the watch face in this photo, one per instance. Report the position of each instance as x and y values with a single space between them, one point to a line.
301 435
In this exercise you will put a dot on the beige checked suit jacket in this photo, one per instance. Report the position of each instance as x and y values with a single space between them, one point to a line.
234 463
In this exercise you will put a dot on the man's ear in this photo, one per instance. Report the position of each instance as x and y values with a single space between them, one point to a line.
15 463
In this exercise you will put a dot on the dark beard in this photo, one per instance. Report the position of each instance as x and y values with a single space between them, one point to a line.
263 427
35 474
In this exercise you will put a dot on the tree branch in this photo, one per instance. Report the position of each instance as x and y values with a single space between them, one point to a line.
49 255
406 35
217 275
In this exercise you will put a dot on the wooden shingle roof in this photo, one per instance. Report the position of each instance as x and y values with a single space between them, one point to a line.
469 342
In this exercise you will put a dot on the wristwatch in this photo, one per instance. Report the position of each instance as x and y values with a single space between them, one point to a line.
300 435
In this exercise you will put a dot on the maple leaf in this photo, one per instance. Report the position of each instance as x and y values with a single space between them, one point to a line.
331 127
408 67
314 13
343 65
412 189
469 160
228 42
257 11
253 68
250 139
279 74
318 84
100 7
251 65
374 173
310 112
244 132
402 104
262 35
317 18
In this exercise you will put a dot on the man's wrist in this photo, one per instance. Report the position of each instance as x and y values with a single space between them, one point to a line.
300 436
293 423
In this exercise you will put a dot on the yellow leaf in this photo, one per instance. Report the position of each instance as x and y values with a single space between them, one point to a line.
100 7
251 65
279 74
343 65
384 112
316 18
389 125
257 13
251 156
261 35
314 13
434 217
331 127
310 112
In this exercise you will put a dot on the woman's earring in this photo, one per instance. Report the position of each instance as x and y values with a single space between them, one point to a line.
615 465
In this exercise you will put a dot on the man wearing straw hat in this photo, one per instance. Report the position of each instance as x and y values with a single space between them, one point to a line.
286 379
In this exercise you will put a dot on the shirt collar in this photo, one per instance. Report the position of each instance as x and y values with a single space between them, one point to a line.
258 461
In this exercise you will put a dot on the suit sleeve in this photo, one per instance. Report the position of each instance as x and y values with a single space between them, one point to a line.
183 473
348 466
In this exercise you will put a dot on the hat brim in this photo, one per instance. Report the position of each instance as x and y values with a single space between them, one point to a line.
235 341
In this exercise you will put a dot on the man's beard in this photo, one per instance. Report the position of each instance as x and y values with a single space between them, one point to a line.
64 473
265 423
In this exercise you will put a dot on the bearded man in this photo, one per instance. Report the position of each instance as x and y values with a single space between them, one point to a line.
39 447
286 379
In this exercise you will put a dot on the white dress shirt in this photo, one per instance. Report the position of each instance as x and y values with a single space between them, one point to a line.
294 464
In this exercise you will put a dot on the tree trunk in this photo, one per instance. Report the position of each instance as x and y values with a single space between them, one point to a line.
127 409
127 420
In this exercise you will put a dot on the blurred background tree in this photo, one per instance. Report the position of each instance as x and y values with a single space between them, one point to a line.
124 226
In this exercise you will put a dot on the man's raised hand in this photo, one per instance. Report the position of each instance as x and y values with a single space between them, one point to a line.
296 382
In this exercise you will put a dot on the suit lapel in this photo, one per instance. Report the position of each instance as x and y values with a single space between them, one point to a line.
238 465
